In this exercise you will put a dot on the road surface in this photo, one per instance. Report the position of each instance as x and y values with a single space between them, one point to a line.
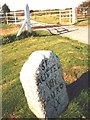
78 33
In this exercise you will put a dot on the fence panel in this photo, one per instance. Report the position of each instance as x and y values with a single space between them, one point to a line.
12 17
66 16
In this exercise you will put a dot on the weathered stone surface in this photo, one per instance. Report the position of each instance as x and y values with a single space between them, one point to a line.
43 83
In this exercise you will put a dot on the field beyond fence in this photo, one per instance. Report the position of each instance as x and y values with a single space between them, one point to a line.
52 16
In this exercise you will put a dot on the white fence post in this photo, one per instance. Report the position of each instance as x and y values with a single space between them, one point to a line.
60 16
7 17
74 15
15 17
70 17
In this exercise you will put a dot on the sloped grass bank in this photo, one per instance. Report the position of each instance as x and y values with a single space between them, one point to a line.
73 56
4 26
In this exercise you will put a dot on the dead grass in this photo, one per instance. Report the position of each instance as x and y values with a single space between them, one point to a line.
69 78
78 67
12 30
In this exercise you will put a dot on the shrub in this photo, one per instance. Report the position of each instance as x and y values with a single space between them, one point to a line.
12 38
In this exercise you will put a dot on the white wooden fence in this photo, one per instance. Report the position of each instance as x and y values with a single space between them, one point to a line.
12 17
68 16
16 17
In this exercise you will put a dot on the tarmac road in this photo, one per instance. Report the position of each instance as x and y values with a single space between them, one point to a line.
78 33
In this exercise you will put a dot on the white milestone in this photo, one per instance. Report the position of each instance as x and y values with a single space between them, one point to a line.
42 79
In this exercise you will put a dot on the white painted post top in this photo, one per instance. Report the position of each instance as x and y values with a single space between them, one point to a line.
27 18
27 15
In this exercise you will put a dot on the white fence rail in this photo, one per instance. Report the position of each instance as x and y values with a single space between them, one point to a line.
12 17
68 16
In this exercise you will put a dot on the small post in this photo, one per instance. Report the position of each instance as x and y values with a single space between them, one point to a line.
15 17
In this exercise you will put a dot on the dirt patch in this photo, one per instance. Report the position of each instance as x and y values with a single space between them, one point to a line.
7 84
13 30
69 78
78 67
70 52
80 58
12 117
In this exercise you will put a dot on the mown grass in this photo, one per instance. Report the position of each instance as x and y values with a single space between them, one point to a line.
79 107
82 23
4 26
73 56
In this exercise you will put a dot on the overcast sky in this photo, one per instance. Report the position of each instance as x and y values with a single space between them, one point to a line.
40 4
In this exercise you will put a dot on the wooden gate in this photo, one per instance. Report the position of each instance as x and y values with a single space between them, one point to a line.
68 16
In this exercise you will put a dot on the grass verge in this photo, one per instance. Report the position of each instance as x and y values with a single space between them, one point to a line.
4 26
83 22
73 56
